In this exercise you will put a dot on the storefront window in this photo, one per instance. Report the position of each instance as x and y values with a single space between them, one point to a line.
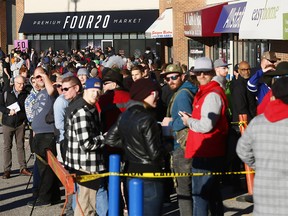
98 36
133 36
122 46
108 36
73 36
61 45
137 46
37 37
43 37
57 37
29 37
196 50
250 51
50 37
97 43
141 36
83 44
125 36
65 37
90 36
117 36
82 36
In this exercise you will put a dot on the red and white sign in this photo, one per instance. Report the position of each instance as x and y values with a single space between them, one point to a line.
162 27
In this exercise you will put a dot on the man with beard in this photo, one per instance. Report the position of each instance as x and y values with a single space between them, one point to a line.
181 100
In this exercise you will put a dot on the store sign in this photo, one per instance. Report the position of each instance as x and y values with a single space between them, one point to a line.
285 26
193 24
230 18
202 23
264 19
21 44
162 27
96 21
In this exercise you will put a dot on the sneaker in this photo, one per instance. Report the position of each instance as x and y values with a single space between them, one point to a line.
25 172
38 204
6 175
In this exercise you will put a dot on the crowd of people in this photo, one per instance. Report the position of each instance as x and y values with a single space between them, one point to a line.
87 104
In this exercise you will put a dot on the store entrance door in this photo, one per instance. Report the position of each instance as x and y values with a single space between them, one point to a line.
105 44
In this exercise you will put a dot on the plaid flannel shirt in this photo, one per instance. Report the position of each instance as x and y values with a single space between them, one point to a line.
83 146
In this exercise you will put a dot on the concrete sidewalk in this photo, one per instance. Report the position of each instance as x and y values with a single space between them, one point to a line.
14 195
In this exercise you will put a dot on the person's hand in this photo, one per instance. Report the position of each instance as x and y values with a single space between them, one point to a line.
12 112
166 121
184 116
267 66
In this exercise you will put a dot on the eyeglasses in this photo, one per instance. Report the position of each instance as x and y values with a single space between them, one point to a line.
58 85
38 77
271 61
204 72
245 69
175 77
20 83
67 88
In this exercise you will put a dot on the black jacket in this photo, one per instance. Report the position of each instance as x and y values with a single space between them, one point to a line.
137 132
7 99
243 101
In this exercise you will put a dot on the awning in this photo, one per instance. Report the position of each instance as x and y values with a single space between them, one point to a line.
162 27
85 22
202 23
230 18
265 19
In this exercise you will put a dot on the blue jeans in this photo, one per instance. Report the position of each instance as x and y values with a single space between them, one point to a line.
153 197
183 189
206 194
102 201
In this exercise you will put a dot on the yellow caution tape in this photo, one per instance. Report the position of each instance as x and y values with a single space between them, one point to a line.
240 123
41 159
85 178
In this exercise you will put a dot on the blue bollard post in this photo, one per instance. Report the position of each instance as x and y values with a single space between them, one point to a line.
114 185
135 197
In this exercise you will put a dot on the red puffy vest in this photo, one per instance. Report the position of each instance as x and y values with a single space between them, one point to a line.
213 143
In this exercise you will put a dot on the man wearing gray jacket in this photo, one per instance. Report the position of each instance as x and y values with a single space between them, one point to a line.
263 147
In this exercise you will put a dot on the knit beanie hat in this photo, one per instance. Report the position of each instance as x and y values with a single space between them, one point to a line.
142 88
280 90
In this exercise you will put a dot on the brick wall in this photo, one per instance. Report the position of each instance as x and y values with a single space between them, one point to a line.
3 36
19 15
180 42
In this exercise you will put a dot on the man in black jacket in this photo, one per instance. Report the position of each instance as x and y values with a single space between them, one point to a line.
13 120
243 102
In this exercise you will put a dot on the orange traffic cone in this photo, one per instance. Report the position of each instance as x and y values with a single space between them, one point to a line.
249 176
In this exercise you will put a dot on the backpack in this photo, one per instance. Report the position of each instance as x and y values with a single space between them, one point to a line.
181 136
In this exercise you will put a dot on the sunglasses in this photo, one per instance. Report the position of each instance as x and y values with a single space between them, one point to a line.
175 77
204 72
38 77
58 85
67 88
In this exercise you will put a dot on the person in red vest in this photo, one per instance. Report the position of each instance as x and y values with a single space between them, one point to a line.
113 102
206 142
